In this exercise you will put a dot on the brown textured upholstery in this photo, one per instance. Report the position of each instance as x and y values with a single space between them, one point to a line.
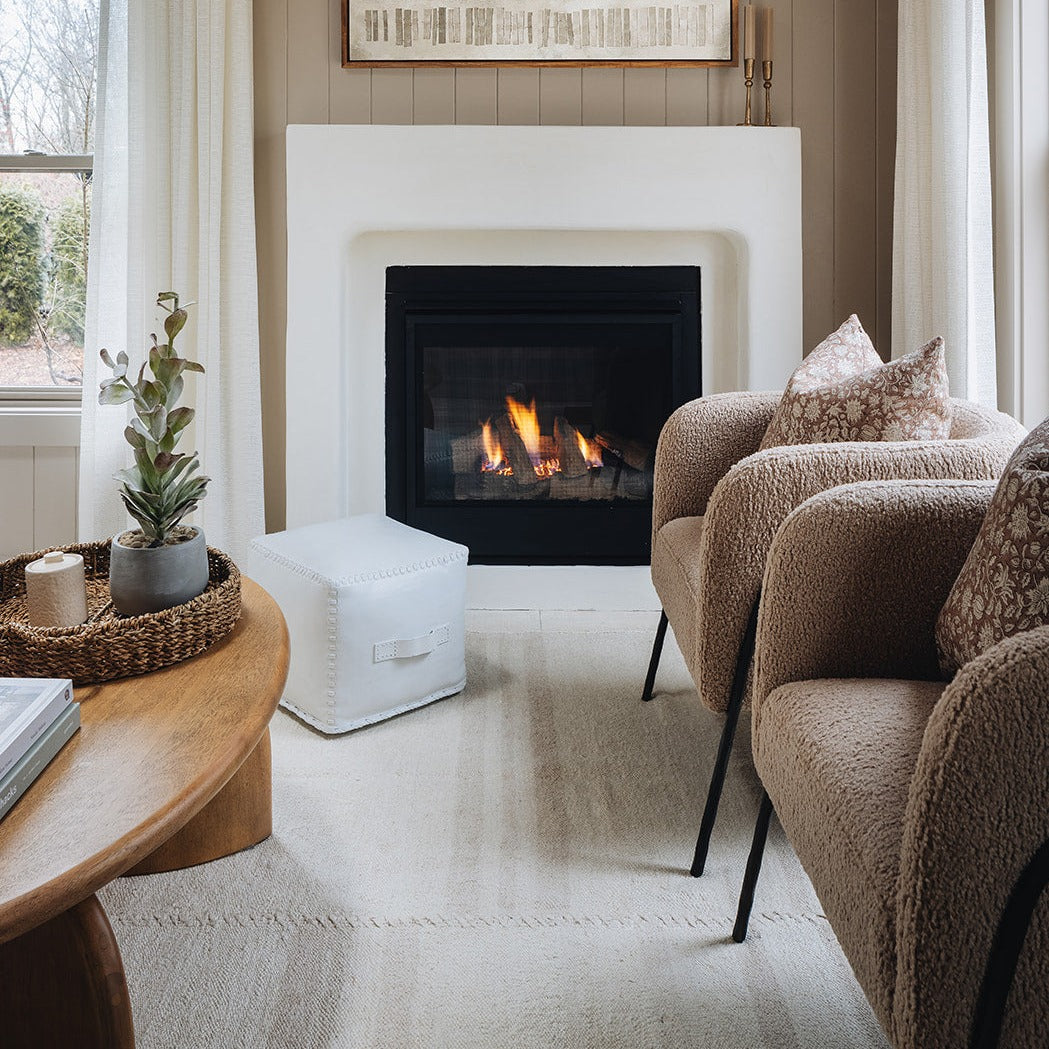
837 757
708 465
913 804
675 572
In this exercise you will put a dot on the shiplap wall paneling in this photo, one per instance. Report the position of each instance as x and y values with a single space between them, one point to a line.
16 505
560 96
812 104
602 95
38 507
475 95
433 97
885 130
686 96
517 96
309 28
55 496
392 96
644 96
855 163
270 56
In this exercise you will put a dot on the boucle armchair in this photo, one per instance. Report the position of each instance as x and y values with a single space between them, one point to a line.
718 502
919 808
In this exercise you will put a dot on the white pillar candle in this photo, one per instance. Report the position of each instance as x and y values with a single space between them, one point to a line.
750 26
55 590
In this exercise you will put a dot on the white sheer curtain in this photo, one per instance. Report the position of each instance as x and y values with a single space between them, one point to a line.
942 278
173 209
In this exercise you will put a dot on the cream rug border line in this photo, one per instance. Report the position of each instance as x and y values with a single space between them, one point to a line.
352 922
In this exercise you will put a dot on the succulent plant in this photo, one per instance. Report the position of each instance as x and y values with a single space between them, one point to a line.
163 485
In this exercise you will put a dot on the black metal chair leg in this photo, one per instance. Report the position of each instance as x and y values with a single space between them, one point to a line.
1006 948
750 878
728 735
653 663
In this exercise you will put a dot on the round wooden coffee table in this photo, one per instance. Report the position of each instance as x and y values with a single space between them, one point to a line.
168 770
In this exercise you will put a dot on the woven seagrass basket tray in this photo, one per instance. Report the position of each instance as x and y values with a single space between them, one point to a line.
110 645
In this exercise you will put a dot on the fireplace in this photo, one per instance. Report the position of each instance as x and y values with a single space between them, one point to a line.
726 199
523 404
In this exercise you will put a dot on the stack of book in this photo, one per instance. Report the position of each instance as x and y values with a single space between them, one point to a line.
37 718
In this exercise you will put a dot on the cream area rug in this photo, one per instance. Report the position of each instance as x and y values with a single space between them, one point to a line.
504 868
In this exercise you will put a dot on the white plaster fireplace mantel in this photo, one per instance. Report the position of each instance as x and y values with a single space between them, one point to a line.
365 197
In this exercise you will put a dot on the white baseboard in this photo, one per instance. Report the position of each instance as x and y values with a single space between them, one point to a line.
602 587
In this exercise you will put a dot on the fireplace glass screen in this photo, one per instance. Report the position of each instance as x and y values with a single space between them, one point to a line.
524 404
567 411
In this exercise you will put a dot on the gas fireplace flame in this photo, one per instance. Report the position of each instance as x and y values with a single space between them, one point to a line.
591 451
526 423
494 456
516 440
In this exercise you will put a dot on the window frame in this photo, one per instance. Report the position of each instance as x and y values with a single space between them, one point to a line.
1018 38
71 163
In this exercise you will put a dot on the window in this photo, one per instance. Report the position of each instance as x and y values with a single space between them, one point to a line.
48 63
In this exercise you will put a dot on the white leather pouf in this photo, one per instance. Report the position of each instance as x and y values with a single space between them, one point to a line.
376 614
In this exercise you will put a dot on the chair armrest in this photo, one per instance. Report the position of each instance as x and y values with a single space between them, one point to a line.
698 444
856 577
755 497
822 595
976 813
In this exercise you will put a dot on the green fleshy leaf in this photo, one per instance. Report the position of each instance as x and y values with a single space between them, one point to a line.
179 419
174 323
174 392
150 477
157 420
114 395
129 477
152 393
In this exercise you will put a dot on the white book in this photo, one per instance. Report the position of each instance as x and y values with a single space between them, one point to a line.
39 756
28 706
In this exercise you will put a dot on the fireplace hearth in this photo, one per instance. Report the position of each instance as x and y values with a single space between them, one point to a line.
523 404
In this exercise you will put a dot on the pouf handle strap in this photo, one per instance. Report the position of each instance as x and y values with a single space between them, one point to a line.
405 648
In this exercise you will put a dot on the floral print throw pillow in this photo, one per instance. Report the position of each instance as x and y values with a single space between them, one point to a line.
1003 587
843 392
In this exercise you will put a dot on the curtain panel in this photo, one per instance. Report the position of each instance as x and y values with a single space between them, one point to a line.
943 277
173 209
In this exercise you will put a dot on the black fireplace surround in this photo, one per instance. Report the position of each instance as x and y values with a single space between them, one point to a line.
523 404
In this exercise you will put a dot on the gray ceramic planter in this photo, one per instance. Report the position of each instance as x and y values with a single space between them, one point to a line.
149 579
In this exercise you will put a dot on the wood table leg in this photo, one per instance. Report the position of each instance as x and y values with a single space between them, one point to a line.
239 816
62 984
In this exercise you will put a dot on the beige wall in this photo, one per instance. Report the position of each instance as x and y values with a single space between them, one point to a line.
835 74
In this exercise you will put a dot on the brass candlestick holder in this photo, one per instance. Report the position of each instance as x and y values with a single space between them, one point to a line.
748 79
766 71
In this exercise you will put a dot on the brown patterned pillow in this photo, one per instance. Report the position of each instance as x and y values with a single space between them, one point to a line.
1003 587
843 392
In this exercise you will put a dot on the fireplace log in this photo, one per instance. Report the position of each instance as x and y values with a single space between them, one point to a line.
516 453
488 486
573 463
595 484
467 452
633 453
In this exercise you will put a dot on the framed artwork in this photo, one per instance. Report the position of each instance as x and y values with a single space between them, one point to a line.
539 33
